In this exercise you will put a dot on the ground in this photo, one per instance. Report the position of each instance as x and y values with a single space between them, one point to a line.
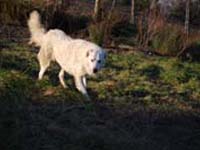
138 101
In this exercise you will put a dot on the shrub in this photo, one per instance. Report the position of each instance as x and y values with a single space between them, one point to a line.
191 52
65 21
169 40
100 31
97 33
192 49
14 11
124 29
139 4
178 12
125 2
148 24
17 12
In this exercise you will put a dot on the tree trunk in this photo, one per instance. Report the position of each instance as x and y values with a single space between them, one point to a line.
97 8
112 9
187 17
132 19
153 4
187 23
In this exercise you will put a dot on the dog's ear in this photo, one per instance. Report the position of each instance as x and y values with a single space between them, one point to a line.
88 53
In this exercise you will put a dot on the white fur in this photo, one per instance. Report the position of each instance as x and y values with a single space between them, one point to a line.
75 56
36 29
39 36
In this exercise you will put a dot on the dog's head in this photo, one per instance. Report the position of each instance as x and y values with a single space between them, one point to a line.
95 60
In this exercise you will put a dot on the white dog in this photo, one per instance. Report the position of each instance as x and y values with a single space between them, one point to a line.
75 56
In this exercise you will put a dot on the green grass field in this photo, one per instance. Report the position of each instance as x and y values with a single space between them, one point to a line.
138 102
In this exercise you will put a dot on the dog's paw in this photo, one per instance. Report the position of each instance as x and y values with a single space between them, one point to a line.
87 97
65 86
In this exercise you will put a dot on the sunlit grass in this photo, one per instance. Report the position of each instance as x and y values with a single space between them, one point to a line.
128 77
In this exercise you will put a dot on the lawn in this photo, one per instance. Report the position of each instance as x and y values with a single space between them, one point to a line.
138 101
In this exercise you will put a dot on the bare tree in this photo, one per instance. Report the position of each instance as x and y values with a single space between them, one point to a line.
187 16
153 4
132 19
97 8
112 9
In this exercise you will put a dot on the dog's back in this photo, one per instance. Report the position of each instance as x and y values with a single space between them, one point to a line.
72 55
52 39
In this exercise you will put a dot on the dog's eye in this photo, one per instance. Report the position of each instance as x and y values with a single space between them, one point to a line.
92 60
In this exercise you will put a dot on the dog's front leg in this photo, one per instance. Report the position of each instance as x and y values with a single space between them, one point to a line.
80 86
84 81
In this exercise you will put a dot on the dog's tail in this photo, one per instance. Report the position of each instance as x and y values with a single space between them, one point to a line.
36 28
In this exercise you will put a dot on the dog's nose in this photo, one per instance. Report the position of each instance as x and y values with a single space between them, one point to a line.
95 70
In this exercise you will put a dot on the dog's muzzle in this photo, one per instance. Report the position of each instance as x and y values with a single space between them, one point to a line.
95 70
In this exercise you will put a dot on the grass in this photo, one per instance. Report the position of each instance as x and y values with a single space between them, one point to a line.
138 102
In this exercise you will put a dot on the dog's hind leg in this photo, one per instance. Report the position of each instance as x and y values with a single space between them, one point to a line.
61 78
44 63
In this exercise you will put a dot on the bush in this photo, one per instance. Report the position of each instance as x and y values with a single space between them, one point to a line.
97 33
125 2
124 29
178 13
100 31
169 40
14 11
65 21
139 4
148 24
53 14
192 52
17 12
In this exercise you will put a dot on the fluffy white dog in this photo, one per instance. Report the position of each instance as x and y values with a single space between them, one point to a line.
75 56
